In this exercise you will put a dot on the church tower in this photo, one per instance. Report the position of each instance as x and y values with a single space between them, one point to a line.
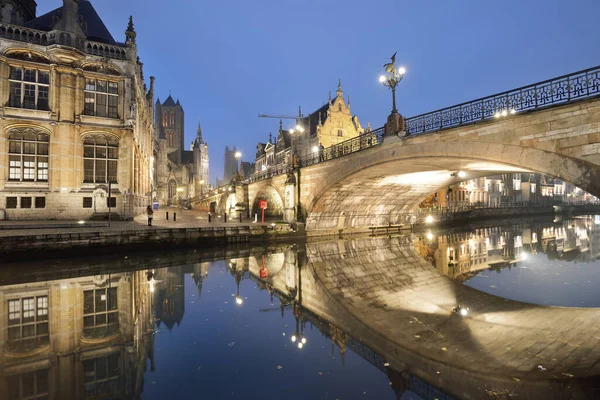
169 124
201 173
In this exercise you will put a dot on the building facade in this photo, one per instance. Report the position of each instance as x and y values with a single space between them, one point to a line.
331 124
507 190
76 116
180 174
87 337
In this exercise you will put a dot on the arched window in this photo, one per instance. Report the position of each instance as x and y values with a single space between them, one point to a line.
172 189
28 155
100 159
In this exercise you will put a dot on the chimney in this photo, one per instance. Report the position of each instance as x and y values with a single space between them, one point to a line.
68 22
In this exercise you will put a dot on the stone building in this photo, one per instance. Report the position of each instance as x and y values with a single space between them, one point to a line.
75 115
180 174
331 124
85 337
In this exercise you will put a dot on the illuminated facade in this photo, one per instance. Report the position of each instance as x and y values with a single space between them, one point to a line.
76 116
76 338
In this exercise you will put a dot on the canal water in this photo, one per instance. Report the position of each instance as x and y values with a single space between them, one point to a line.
256 323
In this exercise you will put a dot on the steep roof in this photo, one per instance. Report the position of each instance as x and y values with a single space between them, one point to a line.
312 121
169 102
96 30
187 157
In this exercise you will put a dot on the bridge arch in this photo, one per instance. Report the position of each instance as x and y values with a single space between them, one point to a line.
274 199
385 184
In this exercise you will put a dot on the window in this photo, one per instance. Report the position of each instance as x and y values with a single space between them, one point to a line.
25 202
11 202
111 202
40 202
87 202
29 88
100 313
101 376
28 156
30 385
101 98
340 133
172 189
100 155
28 323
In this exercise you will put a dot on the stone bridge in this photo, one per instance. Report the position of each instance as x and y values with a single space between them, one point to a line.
384 295
551 127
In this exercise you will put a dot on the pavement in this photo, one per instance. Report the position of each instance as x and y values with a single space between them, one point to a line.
185 219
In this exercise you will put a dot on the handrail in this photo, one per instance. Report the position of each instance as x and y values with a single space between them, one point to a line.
563 89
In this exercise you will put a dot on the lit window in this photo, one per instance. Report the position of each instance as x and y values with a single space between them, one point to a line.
28 323
28 155
100 313
101 98
100 159
29 88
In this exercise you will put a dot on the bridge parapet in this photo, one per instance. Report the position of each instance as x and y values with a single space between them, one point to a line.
564 89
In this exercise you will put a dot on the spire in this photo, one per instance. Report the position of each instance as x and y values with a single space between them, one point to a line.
280 126
330 97
270 138
339 92
199 133
130 32
348 101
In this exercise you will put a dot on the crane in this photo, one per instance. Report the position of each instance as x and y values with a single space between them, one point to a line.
299 116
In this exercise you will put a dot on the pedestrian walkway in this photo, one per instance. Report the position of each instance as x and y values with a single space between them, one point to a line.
185 219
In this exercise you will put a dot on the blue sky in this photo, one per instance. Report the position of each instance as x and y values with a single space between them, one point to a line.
228 61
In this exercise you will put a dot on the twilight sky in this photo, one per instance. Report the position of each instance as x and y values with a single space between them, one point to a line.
228 61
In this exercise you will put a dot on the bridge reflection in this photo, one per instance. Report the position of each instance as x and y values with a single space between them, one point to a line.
83 335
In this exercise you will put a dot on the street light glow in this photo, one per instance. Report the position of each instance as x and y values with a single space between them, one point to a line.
382 79
238 154
402 70
300 345
462 174
430 236
464 312
504 113
304 340
239 300
315 149
293 338
429 219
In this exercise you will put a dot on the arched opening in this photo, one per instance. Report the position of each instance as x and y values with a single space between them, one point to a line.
367 192
274 208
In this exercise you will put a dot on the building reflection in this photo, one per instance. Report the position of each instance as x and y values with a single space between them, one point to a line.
462 254
76 338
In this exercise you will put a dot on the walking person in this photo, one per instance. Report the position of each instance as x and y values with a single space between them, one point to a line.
321 152
150 213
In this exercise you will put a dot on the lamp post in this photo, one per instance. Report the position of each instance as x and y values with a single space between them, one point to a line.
392 80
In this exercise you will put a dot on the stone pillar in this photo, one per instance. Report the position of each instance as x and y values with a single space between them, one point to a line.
241 202
396 124
289 202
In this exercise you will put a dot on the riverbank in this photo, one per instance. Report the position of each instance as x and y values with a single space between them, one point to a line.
31 240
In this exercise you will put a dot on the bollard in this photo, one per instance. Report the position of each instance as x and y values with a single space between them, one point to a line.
255 218
225 217
209 217
240 217
167 218
174 217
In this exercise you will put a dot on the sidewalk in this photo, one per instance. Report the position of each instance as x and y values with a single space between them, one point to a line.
185 219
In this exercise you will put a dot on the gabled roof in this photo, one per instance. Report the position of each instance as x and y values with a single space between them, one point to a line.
312 121
96 30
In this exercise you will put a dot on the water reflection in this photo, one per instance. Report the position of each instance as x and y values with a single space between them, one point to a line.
543 262
343 319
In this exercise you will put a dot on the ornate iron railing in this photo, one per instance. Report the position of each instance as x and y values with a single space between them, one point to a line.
270 172
361 142
566 88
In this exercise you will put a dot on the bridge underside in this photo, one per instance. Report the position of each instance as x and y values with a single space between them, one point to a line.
390 192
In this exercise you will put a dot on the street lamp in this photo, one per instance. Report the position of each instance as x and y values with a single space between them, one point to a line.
392 79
